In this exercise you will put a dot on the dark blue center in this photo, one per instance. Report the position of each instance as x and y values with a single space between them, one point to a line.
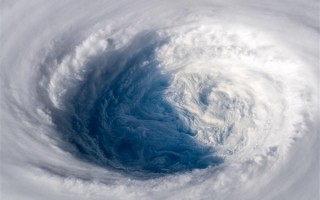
120 118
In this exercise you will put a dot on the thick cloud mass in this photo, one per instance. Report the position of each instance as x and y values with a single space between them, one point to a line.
159 99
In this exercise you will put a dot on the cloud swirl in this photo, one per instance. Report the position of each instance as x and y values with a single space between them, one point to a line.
159 100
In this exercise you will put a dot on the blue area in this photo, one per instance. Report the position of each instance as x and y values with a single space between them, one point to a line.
119 118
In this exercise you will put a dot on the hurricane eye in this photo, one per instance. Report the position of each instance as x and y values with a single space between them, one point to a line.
129 123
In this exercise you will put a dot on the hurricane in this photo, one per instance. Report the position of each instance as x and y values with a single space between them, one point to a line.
194 99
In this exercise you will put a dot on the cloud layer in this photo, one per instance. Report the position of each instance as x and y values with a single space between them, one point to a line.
159 100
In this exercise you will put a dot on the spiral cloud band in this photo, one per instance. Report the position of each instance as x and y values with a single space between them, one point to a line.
159 100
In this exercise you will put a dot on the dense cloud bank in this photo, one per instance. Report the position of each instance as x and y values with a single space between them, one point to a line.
159 99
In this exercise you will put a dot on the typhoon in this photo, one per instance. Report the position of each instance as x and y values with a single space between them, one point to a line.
201 100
